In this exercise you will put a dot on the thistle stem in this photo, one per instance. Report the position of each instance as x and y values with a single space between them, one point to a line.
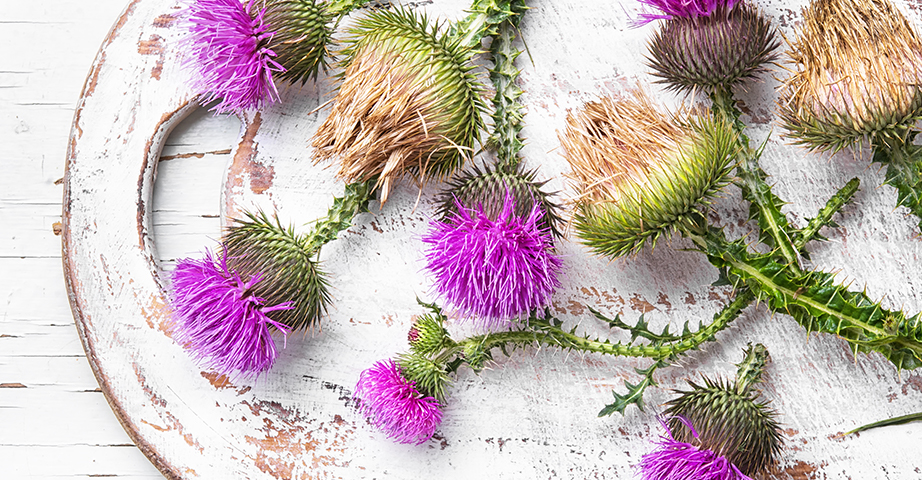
749 371
508 112
904 169
483 18
341 8
339 217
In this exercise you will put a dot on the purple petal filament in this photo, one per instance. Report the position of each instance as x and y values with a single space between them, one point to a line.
682 8
227 46
222 324
494 269
395 405
674 460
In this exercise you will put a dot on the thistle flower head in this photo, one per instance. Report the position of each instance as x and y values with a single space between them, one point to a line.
395 405
722 427
283 258
857 74
672 9
494 269
729 44
640 173
303 31
408 103
220 320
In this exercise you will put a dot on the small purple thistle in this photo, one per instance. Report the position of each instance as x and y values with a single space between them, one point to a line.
682 8
494 269
227 47
675 460
395 405
219 320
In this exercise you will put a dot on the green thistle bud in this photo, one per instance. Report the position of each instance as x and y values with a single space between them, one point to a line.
408 103
302 29
475 355
427 335
640 173
259 246
728 46
857 74
430 377
729 419
487 188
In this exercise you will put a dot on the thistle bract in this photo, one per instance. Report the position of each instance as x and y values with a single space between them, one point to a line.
284 260
303 30
857 74
720 49
395 405
427 335
640 173
219 319
408 103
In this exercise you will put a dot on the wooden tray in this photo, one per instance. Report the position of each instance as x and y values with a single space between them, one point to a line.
532 415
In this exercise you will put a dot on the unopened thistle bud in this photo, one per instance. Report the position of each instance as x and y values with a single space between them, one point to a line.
718 431
730 43
408 103
427 335
857 75
640 173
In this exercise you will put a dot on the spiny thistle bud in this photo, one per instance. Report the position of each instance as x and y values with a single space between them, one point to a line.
395 405
729 44
718 431
235 48
430 378
427 335
408 103
640 173
257 245
857 74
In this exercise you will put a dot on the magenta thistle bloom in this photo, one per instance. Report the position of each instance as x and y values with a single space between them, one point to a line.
496 269
395 405
675 460
682 8
220 321
227 46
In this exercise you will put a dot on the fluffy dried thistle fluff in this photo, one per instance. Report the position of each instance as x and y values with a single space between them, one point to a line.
640 173
395 406
220 321
408 103
729 45
857 74
672 9
493 269
676 460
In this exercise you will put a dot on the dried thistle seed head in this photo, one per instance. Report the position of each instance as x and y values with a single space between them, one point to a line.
728 45
258 245
408 103
486 189
302 30
729 419
857 74
639 172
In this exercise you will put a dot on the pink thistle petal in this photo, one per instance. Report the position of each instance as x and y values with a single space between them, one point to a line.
395 406
682 8
222 324
227 48
675 460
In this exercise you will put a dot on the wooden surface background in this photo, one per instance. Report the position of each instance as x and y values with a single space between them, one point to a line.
532 415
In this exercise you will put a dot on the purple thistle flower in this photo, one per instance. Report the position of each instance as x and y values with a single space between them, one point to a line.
220 321
675 460
395 405
227 46
494 269
682 8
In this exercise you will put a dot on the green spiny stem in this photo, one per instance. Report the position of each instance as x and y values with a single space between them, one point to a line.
913 417
904 169
508 112
824 217
339 217
749 371
483 18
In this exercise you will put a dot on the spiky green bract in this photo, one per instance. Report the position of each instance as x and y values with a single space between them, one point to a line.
844 88
302 30
641 174
487 188
408 104
729 418
257 244
431 377
428 334
730 45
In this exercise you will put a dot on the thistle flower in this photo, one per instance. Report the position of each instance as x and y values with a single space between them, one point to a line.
408 103
495 268
672 9
640 173
857 74
736 435
726 43
395 405
236 48
220 320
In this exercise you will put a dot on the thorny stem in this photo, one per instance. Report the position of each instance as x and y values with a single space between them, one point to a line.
339 217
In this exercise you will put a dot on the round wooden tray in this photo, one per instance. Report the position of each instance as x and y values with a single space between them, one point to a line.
532 415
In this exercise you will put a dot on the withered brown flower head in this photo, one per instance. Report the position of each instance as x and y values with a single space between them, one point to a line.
857 74
408 103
